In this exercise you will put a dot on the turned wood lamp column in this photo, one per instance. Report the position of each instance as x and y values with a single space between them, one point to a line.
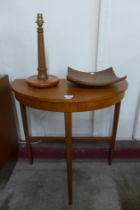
42 80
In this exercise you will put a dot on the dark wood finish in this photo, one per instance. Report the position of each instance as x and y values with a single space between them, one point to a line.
8 124
100 78
42 80
84 99
26 132
114 131
68 136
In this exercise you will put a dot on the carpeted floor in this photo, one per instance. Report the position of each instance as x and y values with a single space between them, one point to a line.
96 186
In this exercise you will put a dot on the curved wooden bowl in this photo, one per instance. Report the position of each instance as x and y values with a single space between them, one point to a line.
100 78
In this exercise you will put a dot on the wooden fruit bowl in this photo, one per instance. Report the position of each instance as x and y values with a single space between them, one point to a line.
101 78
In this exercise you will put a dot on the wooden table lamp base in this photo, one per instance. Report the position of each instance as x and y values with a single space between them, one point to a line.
51 81
42 80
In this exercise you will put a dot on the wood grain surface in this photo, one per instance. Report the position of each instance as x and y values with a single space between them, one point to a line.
99 78
84 98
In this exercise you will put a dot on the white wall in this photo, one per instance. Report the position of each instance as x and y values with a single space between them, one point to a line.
72 38
118 47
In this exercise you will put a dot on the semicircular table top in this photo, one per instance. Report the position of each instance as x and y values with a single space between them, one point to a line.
69 97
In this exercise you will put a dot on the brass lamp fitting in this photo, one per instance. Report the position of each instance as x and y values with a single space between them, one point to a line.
39 20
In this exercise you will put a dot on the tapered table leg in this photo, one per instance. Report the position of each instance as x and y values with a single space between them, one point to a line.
68 136
26 132
114 131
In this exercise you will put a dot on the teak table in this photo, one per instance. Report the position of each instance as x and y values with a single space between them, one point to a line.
84 99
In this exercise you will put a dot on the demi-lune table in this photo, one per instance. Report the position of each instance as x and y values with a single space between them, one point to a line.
83 99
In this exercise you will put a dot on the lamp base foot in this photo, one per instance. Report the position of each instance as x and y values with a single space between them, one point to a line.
51 81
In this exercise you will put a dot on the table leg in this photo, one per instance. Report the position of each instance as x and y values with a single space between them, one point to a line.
26 132
68 135
114 131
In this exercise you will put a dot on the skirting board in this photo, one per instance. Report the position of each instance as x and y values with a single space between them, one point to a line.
124 150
